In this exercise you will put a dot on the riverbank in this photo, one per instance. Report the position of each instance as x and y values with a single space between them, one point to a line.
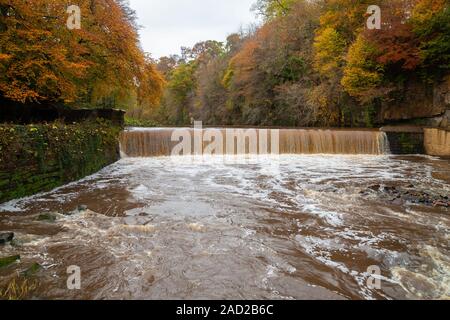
140 123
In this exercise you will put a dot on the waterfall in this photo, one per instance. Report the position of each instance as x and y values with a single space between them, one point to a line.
333 142
158 142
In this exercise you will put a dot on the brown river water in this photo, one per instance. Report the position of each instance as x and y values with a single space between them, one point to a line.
297 226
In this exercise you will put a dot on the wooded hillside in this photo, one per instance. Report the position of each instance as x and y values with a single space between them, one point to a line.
315 63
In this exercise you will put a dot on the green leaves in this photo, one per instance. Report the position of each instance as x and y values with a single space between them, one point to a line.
433 28
53 154
7 261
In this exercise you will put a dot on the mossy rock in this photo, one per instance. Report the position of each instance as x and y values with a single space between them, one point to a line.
7 261
47 217
6 237
53 154
32 270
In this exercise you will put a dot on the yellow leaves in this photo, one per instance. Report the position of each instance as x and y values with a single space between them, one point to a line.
41 59
18 92
426 9
48 77
243 63
273 9
323 104
346 16
362 73
357 81
18 289
33 34
228 77
5 57
38 69
151 86
329 51
361 52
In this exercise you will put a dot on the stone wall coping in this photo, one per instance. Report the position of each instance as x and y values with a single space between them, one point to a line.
404 129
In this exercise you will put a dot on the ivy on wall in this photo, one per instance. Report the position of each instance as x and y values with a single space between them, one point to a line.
40 157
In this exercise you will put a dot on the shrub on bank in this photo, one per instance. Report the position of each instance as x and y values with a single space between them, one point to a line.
131 122
40 157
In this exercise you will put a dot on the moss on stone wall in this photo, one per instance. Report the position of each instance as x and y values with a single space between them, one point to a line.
36 158
406 142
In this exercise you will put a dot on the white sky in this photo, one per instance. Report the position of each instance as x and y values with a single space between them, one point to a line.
169 24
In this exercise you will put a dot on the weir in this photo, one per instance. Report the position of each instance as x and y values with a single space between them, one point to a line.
158 142
437 142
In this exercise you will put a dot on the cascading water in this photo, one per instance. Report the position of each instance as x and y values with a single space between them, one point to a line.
158 142
333 142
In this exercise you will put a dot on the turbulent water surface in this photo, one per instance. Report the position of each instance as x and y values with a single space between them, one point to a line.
296 227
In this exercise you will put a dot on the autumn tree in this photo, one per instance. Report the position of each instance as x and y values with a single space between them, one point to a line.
277 58
363 74
431 24
412 37
35 61
270 9
179 94
100 64
311 63
166 64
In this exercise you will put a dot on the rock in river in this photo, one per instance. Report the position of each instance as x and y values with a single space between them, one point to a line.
375 187
82 208
6 237
47 217
4 262
32 270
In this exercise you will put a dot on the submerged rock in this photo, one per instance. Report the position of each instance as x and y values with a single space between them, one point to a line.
376 187
439 203
399 195
82 207
196 227
35 267
145 229
6 237
47 217
7 261
77 210
390 189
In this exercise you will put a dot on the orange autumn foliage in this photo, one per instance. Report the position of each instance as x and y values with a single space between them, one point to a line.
42 60
38 65
396 41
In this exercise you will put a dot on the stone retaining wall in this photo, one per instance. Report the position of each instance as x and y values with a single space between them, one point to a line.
437 142
17 113
39 157
405 139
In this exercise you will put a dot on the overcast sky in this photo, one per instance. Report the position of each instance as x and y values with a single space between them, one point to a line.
169 24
